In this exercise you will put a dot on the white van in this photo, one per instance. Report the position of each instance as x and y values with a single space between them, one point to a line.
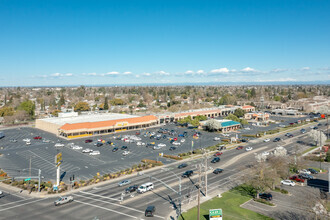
145 187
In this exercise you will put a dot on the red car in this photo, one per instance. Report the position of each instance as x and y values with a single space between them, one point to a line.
175 139
88 141
218 154
37 138
297 179
239 148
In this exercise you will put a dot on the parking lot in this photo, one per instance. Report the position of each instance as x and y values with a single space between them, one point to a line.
17 155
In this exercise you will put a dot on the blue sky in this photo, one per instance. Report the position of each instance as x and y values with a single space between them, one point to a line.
80 42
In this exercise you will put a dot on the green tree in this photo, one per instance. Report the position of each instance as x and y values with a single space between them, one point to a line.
61 101
6 111
239 112
81 106
28 106
195 123
106 105
117 102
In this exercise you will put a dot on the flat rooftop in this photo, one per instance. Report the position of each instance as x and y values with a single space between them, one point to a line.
88 118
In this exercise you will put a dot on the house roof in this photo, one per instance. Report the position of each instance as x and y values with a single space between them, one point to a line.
109 123
248 106
203 112
229 123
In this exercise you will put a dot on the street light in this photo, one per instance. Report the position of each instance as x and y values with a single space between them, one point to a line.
179 177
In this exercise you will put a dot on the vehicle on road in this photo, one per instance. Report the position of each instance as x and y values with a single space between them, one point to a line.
216 139
188 173
1 135
87 150
288 183
289 135
115 149
266 196
172 148
217 154
244 140
124 182
63 200
267 140
248 148
297 179
183 165
239 148
37 138
215 160
94 153
145 187
217 171
59 145
150 210
277 140
88 141
303 131
315 128
131 189
282 126
312 171
126 152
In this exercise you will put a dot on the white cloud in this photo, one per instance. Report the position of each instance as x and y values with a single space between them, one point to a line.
248 70
163 73
56 74
60 75
146 74
89 74
220 70
277 80
113 73
189 72
278 70
68 74
137 76
200 72
305 68
127 73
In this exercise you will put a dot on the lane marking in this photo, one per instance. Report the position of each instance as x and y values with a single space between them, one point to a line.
100 207
118 200
22 204
14 202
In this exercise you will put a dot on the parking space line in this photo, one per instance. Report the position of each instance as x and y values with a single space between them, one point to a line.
111 210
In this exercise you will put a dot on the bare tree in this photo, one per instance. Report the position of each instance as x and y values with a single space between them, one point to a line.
318 137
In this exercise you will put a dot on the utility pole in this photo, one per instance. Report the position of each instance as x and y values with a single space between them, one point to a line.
30 168
205 173
198 193
39 173
320 148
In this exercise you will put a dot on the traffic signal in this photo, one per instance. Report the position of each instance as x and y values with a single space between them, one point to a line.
72 177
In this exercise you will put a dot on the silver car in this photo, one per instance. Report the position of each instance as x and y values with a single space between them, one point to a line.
63 200
124 182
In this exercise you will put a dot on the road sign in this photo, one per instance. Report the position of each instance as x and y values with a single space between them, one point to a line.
27 179
58 159
215 214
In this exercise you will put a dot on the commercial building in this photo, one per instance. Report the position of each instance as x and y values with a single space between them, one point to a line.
224 125
94 124
257 116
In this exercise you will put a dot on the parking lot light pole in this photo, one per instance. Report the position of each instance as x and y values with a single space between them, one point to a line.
180 195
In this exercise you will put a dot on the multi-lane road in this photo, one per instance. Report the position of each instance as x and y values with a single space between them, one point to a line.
105 202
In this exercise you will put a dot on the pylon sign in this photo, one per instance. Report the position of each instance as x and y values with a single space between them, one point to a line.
58 159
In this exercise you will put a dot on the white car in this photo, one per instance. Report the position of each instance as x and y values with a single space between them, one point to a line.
288 182
176 143
267 140
248 148
161 145
225 135
216 139
87 150
125 152
265 153
95 152
139 143
247 128
26 139
28 143
183 140
304 171
76 147
45 141
59 145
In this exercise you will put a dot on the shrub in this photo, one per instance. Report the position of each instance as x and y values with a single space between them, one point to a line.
277 189
173 157
264 202
152 162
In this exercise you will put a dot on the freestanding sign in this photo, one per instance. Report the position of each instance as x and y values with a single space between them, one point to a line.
215 214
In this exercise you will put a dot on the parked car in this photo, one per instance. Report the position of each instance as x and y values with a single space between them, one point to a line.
288 182
183 140
217 171
306 176
172 148
59 145
161 145
13 140
277 140
267 140
76 147
305 171
37 138
216 139
183 165
124 182
248 148
176 143
188 173
63 200
265 153
297 179
26 139
266 196
244 140
131 189
312 171
126 152
215 160
315 128
98 144
239 148
88 141
217 154
150 210
115 149
94 153
123 147
87 150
